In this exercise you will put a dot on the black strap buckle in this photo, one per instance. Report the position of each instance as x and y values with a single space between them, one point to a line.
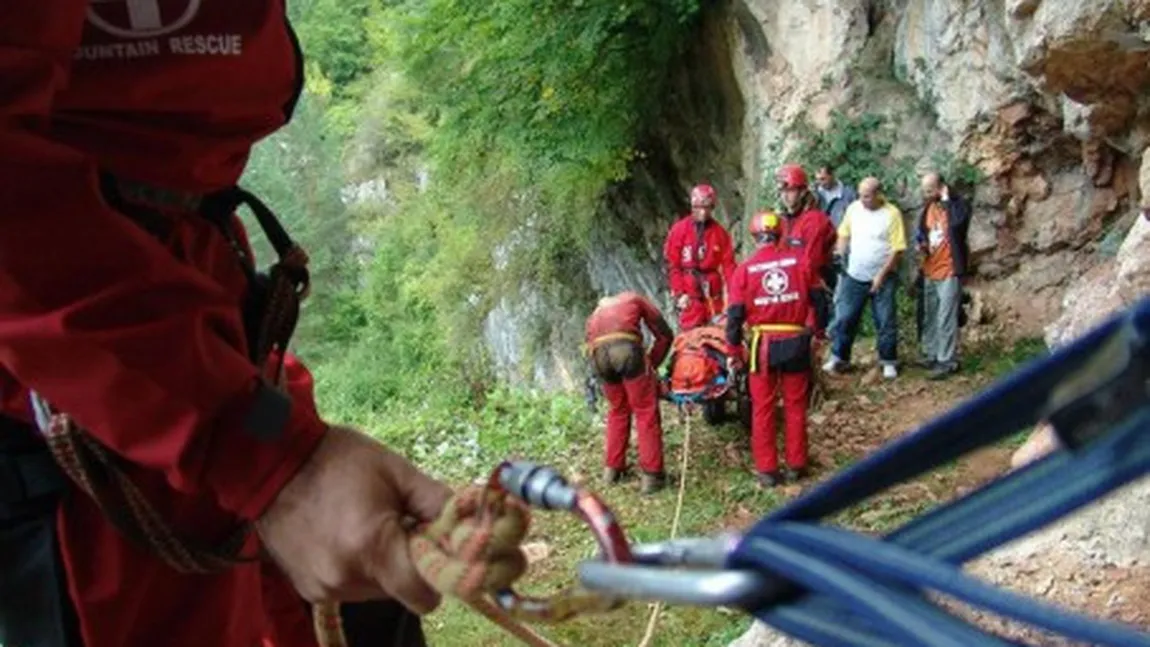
281 288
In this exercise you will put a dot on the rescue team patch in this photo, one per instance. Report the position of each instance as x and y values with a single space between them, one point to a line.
775 283
128 29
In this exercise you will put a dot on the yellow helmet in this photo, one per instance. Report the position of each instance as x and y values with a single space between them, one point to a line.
765 224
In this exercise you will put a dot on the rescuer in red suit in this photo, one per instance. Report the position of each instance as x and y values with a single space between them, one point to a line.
127 302
700 257
806 227
772 294
627 375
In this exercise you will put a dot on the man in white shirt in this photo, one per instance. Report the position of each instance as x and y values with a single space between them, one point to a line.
873 238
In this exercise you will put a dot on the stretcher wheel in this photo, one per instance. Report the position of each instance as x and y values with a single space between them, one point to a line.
714 411
744 408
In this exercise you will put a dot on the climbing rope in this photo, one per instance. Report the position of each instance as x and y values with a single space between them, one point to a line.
649 634
472 548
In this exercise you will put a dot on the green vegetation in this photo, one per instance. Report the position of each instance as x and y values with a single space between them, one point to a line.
862 145
493 130
999 357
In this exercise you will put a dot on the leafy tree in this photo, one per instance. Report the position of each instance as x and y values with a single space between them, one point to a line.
495 129
333 36
297 173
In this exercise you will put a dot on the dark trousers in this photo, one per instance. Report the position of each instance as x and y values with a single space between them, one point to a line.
34 605
853 296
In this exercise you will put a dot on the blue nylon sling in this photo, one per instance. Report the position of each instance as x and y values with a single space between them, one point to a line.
855 591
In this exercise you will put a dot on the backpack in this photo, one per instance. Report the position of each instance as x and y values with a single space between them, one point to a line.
698 357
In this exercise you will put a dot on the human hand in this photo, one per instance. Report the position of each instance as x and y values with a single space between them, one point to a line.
734 364
337 529
876 284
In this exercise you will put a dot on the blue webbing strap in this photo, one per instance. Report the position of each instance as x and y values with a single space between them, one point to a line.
837 610
903 559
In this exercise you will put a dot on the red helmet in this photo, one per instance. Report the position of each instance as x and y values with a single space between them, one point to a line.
791 176
703 195
764 223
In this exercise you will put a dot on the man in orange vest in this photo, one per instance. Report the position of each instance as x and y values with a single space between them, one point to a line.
615 346
772 292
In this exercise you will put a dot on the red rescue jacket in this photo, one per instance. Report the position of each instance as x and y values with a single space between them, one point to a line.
812 231
141 341
771 292
693 261
624 315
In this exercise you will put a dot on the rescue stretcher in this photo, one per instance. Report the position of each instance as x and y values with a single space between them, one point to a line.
697 376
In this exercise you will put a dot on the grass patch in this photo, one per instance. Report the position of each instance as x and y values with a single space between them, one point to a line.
720 491
998 358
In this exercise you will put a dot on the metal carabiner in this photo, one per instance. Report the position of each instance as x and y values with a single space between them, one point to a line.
703 580
543 487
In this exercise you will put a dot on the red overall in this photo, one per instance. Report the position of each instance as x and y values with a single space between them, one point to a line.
618 320
813 232
699 267
142 341
772 291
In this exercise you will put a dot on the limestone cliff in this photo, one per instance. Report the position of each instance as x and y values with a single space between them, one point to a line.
1048 99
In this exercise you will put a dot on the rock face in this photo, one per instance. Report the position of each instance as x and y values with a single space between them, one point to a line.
699 138
1111 285
1048 99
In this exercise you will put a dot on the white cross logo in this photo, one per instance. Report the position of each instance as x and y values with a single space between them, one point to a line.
775 282
144 18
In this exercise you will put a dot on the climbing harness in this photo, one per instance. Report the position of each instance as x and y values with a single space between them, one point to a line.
609 338
828 586
270 312
761 331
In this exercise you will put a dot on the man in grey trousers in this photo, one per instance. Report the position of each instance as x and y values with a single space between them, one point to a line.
941 239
